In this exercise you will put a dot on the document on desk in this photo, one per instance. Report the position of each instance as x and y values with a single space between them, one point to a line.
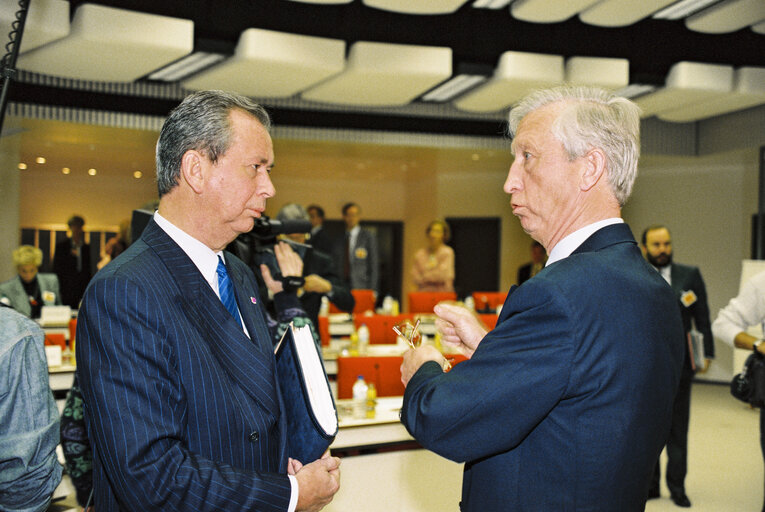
311 413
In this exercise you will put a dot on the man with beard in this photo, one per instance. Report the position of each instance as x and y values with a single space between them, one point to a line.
689 287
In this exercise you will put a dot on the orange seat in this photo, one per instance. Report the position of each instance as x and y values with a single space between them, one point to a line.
489 319
365 301
324 330
488 300
423 302
72 331
380 327
385 372
56 339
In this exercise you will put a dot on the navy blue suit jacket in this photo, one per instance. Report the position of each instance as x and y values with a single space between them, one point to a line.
182 408
566 404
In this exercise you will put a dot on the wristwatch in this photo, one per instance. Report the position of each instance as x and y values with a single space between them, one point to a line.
756 344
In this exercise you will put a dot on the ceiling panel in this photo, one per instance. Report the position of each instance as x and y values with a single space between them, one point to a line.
112 45
748 91
548 11
268 64
620 13
47 20
379 74
417 6
517 73
604 72
323 2
688 83
727 16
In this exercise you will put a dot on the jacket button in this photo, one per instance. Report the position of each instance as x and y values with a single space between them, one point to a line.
254 436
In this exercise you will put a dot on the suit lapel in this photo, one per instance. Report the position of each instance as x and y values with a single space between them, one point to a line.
241 357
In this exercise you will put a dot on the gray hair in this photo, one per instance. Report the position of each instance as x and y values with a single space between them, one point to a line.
201 122
292 211
593 118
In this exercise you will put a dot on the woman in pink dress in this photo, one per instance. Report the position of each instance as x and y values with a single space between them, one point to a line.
433 268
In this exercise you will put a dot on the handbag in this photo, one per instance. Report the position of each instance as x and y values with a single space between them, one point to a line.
749 385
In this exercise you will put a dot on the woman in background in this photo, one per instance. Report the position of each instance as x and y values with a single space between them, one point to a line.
433 269
29 291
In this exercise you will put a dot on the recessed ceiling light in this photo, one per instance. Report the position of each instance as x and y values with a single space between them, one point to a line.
40 159
92 171
137 174
22 165
66 170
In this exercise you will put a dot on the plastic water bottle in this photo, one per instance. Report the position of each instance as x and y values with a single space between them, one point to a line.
363 338
324 308
360 389
371 400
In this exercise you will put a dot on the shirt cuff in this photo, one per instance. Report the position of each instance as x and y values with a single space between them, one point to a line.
293 493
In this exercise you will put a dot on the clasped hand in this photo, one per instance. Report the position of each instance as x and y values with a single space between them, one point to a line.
317 482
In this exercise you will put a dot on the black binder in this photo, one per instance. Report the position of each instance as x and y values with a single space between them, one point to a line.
310 408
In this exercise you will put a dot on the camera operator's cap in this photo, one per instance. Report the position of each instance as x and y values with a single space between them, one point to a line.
292 211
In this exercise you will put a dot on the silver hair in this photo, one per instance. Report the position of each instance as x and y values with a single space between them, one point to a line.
593 118
292 211
201 122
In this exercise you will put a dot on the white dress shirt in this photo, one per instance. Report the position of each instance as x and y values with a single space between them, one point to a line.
743 311
571 242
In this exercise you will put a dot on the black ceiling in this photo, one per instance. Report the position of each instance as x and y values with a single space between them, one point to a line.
475 35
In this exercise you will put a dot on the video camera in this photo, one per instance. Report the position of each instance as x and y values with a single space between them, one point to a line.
257 246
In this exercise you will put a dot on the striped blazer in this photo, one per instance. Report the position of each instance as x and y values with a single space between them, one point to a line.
182 408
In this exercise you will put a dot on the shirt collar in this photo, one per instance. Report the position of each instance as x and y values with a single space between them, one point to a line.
204 258
569 244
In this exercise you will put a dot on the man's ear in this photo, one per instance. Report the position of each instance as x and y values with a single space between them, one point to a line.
192 169
594 162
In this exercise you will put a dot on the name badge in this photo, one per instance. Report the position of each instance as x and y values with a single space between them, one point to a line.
361 253
688 298
48 297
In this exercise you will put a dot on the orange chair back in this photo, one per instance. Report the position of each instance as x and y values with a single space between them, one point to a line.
489 319
380 327
365 301
56 339
423 302
324 330
490 300
385 372
72 330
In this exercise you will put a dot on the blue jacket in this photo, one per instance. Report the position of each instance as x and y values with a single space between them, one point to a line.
182 407
566 404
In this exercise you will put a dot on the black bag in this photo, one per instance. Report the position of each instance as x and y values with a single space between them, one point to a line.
749 385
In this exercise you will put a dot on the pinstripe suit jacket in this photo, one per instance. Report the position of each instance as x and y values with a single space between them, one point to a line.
182 408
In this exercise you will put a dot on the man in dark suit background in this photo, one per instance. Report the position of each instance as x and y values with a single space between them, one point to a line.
535 266
319 238
688 285
175 360
71 263
360 258
566 404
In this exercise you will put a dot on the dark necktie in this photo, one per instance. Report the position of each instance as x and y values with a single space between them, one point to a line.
226 290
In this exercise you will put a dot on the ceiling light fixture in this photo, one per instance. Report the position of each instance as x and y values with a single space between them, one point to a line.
491 4
682 9
40 160
635 90
137 175
22 166
468 76
187 66
65 170
92 171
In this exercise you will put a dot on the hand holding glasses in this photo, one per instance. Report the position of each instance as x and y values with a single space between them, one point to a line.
412 336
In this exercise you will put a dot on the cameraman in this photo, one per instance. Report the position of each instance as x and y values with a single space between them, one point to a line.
318 270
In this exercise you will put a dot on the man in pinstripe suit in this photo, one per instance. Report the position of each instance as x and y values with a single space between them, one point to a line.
181 400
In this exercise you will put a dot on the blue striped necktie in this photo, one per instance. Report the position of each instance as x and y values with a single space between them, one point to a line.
226 290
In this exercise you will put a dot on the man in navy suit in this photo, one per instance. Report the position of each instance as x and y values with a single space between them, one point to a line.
181 400
360 258
691 295
565 405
